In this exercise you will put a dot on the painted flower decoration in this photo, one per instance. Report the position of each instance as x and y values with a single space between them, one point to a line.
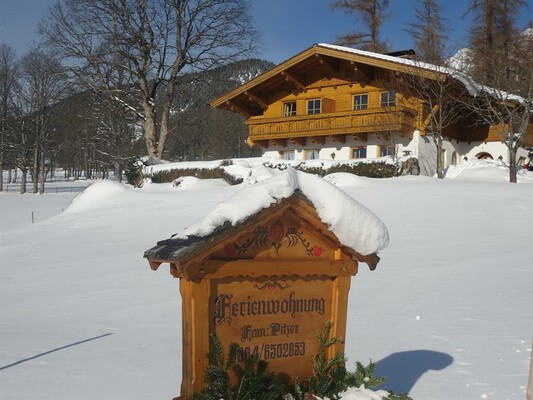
277 231
230 249
317 251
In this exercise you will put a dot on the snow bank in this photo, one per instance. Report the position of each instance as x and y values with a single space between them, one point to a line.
362 393
346 179
185 182
96 195
238 171
485 170
453 171
354 225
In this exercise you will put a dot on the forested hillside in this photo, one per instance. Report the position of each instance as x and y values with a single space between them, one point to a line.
205 133
90 134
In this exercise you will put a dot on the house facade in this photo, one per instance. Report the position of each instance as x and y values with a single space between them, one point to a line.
332 102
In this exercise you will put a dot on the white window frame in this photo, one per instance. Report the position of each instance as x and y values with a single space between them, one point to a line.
314 108
289 111
352 150
361 105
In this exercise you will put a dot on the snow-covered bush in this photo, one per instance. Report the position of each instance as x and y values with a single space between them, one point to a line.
377 169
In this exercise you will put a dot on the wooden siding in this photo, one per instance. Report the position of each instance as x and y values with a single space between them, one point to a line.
337 116
382 120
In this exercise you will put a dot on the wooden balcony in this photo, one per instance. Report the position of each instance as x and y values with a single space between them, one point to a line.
357 123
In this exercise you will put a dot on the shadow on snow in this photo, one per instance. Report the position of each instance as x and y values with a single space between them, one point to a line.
402 370
54 350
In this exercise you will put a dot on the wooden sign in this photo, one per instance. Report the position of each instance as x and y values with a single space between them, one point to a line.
274 318
269 285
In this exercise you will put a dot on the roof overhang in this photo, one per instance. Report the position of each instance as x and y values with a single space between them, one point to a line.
249 99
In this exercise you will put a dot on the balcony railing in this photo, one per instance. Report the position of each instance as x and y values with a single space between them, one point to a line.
381 120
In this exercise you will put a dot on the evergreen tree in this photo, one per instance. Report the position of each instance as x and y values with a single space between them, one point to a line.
429 32
492 35
371 13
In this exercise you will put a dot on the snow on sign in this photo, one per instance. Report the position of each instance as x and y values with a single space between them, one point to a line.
267 270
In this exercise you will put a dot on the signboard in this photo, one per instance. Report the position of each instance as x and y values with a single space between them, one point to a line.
269 284
277 319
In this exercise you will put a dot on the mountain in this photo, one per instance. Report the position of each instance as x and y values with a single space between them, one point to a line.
201 132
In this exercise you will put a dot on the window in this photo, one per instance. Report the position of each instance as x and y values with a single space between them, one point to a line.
388 99
288 155
289 108
386 150
359 152
313 106
311 154
360 101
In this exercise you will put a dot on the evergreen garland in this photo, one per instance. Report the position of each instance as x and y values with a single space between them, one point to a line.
253 381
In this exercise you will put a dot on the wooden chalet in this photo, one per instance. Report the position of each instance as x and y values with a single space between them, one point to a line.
333 102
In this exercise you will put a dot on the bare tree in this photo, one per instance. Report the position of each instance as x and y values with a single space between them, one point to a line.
42 84
21 138
507 105
115 134
148 44
8 74
428 32
437 90
372 14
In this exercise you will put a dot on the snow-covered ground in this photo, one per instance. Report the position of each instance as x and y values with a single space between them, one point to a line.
447 314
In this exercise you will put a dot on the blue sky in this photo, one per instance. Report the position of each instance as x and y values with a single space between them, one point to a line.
288 26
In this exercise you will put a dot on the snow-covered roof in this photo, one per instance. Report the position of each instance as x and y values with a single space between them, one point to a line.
473 88
366 57
354 225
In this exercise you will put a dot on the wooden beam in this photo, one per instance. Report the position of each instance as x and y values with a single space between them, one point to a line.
260 143
428 118
298 140
362 137
293 78
365 72
154 264
328 62
234 107
254 97
222 269
318 139
280 142
338 138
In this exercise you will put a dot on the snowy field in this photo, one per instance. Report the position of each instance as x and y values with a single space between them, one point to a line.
447 314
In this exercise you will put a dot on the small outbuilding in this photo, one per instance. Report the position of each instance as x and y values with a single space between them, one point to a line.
267 269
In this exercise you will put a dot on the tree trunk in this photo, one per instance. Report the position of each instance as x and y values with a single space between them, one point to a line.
150 130
438 143
35 174
42 171
23 181
512 165
118 175
2 161
165 117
